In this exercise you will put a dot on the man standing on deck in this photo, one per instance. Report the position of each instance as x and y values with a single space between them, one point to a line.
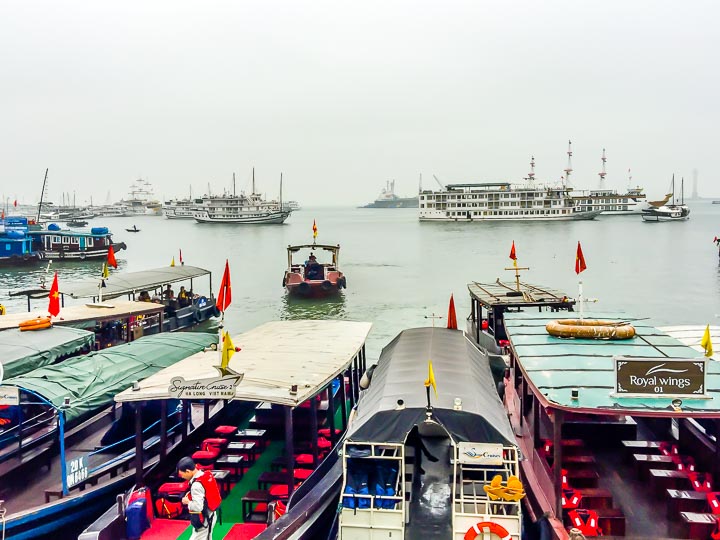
202 500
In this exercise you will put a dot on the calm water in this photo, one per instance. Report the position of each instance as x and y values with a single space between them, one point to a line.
400 270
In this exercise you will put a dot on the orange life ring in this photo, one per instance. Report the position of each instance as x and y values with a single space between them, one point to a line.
590 329
38 323
488 526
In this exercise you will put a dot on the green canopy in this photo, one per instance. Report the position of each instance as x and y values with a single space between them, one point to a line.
92 380
22 352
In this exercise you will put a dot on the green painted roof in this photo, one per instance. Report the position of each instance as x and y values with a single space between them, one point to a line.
555 365
21 352
92 380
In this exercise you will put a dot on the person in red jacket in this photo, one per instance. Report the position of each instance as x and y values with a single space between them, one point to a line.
202 500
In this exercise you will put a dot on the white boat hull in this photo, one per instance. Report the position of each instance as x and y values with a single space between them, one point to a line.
577 216
272 218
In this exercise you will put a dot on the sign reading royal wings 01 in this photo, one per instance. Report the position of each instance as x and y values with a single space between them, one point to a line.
480 453
660 377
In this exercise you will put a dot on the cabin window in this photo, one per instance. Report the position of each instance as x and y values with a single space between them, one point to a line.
89 241
74 241
56 239
65 239
7 247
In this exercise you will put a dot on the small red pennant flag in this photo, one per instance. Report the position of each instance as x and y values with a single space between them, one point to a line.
225 294
452 316
579 260
111 257
54 304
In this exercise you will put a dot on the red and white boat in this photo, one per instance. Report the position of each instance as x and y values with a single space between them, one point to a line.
313 278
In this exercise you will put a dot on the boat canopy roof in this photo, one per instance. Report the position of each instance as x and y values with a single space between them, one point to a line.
327 247
92 380
555 366
86 315
461 372
273 358
133 282
21 352
479 185
506 294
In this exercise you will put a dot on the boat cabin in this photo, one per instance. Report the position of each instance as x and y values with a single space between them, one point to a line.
56 243
619 436
16 244
447 469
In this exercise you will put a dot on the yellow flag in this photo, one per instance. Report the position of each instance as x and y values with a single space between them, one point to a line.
228 349
430 381
105 271
706 343
172 263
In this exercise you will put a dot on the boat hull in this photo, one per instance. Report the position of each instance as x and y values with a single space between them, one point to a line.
274 218
313 289
82 255
577 216
411 202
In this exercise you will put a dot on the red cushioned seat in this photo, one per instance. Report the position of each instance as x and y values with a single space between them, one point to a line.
226 430
205 457
304 459
325 432
245 531
208 467
214 444
302 474
280 490
324 444
173 488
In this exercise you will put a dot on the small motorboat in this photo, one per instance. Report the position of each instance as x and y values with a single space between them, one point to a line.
77 223
134 229
313 278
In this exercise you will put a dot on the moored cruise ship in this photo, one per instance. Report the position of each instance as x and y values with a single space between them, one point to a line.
181 208
497 201
242 209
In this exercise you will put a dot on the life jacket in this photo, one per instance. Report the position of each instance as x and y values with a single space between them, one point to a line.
280 509
212 499
667 449
700 481
683 463
570 497
586 521
713 502
715 534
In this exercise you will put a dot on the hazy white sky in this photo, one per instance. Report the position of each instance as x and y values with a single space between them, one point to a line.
343 96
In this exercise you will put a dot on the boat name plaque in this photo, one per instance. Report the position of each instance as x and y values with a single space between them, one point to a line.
9 395
217 388
660 377
480 453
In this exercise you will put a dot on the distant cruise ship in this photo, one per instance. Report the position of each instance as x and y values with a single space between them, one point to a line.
241 209
388 199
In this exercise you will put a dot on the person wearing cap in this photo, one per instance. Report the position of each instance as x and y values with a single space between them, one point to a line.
195 500
311 259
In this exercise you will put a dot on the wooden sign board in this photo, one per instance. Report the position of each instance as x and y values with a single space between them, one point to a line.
660 377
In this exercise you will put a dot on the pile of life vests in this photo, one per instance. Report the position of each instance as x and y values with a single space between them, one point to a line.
512 490
586 521
38 323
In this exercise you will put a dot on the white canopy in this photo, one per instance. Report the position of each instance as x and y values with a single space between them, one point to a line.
76 315
691 336
273 357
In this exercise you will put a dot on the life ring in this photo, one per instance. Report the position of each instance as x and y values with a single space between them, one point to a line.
487 526
26 257
590 329
326 286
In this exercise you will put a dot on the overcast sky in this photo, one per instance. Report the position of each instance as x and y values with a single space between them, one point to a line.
342 96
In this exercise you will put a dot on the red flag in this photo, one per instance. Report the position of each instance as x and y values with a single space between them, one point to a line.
452 317
15 203
225 294
181 261
314 229
3 215
111 257
512 251
579 260
54 305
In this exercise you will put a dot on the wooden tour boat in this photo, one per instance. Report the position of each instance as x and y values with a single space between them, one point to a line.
294 383
467 485
619 437
313 278
61 422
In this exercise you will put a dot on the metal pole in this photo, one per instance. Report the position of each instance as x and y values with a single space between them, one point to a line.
331 415
557 460
580 298
206 411
314 429
351 378
184 419
138 446
63 465
289 449
163 429
343 404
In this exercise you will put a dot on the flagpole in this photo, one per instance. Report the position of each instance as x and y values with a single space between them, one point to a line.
580 298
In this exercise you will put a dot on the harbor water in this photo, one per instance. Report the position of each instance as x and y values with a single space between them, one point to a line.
401 272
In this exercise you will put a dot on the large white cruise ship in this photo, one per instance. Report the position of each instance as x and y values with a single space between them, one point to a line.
247 209
499 201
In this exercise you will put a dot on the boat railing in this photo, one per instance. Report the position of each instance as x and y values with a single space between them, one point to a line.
27 424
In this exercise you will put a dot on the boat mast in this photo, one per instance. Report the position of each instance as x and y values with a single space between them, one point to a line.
569 165
420 184
234 185
42 194
531 174
253 190
281 206
682 190
603 173
673 189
